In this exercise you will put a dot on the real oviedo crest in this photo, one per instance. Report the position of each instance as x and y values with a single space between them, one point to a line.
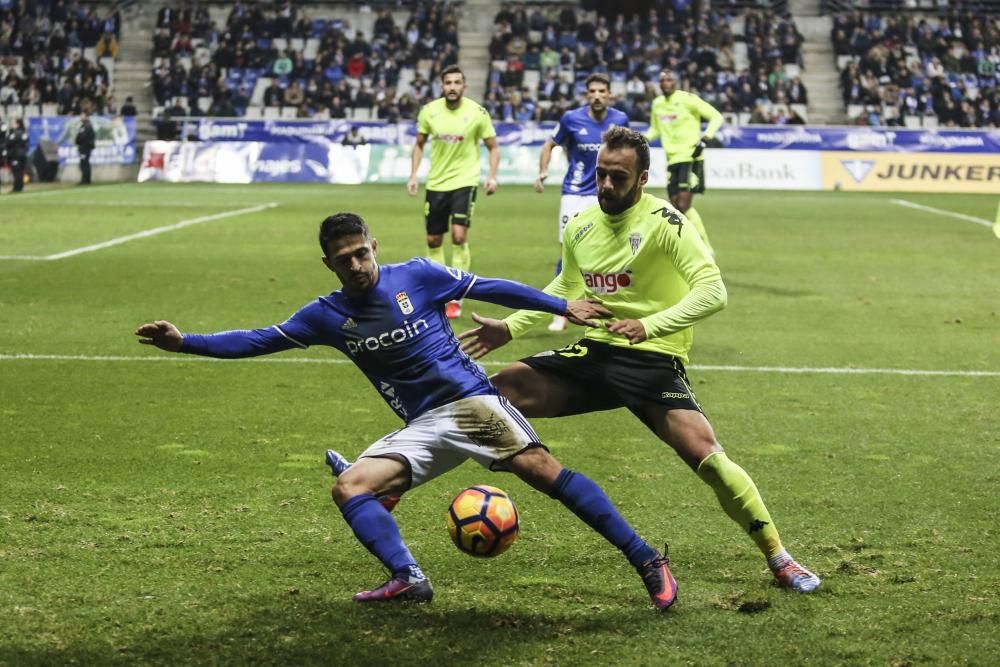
403 300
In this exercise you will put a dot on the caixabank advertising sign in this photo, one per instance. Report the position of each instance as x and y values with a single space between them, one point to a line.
912 172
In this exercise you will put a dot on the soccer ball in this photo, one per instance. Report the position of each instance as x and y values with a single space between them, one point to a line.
482 521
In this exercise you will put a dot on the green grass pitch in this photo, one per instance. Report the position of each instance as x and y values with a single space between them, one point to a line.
165 510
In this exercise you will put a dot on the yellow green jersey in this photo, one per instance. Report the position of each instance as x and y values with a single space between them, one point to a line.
455 135
648 263
677 122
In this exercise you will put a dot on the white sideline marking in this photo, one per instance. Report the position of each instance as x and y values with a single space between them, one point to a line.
941 211
698 367
134 204
143 234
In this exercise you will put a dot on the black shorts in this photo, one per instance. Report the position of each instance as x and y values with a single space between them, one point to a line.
686 177
442 209
598 376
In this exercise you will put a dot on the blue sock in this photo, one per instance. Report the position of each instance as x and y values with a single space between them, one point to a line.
377 530
586 500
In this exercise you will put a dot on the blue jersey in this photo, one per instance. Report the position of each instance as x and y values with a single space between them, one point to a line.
580 136
396 333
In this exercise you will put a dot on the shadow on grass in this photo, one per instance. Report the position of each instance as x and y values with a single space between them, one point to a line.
769 289
305 631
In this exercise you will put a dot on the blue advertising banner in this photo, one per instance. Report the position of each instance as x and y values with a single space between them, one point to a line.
866 139
115 138
301 163
323 132
775 137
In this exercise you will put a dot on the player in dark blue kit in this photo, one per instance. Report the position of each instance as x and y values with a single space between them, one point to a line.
579 134
390 321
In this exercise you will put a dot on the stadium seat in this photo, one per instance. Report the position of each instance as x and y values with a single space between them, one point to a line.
406 76
792 70
740 59
362 113
618 88
844 61
90 53
257 96
50 109
272 113
801 110
253 113
13 111
204 102
855 110
289 113
930 122
531 79
311 49
500 65
744 117
279 43
911 122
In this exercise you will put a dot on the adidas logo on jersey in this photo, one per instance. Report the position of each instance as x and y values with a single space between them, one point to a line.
349 324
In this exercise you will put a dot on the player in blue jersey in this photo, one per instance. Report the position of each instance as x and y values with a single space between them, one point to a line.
579 134
390 321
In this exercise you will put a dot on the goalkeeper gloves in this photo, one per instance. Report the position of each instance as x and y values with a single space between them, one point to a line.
704 143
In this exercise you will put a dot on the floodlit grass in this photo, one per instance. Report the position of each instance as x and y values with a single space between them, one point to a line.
167 510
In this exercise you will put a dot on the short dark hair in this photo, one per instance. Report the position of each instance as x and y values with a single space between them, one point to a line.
452 69
622 137
340 225
597 77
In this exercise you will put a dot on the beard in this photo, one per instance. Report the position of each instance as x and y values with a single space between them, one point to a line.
612 205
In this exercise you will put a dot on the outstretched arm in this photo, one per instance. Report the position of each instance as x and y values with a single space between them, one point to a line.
224 345
517 295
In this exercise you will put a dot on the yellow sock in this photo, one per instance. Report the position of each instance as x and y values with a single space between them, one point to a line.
461 257
436 254
741 500
695 218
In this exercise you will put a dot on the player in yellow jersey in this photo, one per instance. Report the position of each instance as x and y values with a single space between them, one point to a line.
640 257
675 118
456 125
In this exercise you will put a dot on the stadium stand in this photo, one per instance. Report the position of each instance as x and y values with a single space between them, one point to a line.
908 62
57 58
286 60
740 59
919 65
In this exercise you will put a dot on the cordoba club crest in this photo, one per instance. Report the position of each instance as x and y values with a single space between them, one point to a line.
634 240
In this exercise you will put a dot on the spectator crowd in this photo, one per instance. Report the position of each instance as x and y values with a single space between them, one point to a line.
53 52
316 67
899 68
741 63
